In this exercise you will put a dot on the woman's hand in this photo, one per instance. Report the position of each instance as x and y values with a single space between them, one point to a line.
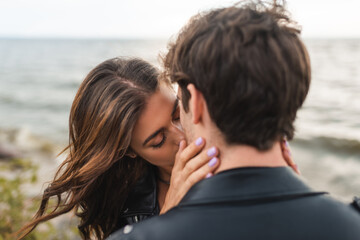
287 156
191 166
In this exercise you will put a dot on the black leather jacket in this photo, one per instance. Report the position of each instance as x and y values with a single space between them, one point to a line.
251 204
142 200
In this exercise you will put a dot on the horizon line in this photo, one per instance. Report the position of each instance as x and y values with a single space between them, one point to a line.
9 37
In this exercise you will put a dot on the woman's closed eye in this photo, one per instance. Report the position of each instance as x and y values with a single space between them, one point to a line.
175 118
160 142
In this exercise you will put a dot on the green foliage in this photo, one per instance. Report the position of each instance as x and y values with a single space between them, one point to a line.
16 209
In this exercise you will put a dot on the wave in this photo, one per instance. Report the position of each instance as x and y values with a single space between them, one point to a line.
337 145
19 140
14 102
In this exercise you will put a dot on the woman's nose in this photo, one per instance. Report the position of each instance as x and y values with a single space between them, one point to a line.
178 133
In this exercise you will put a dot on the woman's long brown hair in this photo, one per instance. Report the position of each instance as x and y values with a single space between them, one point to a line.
97 174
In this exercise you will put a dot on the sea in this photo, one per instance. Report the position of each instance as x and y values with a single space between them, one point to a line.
39 79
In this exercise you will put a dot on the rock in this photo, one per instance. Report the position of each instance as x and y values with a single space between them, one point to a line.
8 152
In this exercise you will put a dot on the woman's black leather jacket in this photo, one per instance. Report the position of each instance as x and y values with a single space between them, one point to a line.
142 200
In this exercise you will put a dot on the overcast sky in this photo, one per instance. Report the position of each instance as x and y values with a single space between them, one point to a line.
155 18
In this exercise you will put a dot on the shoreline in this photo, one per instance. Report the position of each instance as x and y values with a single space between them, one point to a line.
327 164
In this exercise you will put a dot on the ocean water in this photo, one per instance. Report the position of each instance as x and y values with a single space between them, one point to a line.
39 79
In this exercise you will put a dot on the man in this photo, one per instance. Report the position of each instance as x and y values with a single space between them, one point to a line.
243 73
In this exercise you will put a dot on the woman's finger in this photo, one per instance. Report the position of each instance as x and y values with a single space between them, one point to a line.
178 164
191 150
205 171
287 156
182 146
200 160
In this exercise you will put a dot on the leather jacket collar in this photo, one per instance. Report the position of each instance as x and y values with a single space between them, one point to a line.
252 183
143 197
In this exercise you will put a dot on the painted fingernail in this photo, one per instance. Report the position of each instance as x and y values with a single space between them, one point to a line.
211 152
209 175
286 143
213 161
199 141
289 153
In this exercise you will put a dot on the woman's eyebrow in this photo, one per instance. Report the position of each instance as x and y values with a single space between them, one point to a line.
152 136
176 104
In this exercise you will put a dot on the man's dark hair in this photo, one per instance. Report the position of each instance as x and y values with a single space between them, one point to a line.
251 67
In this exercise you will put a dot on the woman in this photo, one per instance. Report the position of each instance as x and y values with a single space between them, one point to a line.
124 139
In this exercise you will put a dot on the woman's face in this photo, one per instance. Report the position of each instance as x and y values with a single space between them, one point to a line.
158 132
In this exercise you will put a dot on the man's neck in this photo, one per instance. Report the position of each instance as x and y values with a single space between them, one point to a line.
237 156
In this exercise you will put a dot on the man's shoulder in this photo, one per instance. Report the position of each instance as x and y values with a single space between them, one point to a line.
244 204
331 206
311 214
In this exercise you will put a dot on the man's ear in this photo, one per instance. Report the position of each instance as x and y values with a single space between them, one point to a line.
196 103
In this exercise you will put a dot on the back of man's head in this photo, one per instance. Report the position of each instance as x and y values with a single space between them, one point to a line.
250 66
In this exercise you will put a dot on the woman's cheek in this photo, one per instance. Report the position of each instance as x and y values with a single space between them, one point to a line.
155 157
162 156
166 156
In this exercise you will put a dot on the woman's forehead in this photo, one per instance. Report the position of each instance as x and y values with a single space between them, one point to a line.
156 115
